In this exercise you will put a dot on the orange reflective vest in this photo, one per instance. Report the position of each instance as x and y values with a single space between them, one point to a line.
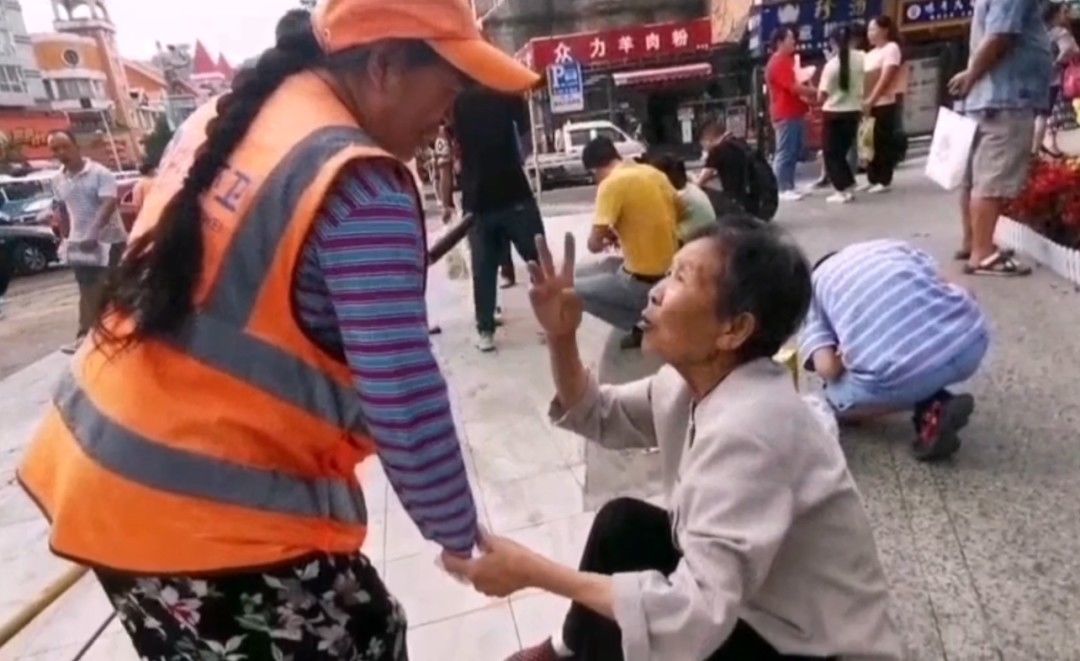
234 442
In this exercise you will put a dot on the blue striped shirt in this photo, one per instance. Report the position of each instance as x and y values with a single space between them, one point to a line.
360 293
885 307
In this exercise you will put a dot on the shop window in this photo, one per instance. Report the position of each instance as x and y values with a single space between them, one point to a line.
11 79
49 93
7 43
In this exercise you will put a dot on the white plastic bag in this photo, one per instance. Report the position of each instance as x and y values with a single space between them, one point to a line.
84 253
950 150
457 260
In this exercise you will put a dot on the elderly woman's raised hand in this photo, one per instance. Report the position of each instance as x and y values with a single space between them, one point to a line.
555 304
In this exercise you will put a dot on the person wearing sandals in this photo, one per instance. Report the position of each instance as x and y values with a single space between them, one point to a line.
886 81
841 91
888 334
1006 82
765 551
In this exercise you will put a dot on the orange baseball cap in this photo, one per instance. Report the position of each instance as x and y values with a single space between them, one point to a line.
448 26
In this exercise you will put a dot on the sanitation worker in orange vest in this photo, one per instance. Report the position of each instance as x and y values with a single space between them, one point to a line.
267 332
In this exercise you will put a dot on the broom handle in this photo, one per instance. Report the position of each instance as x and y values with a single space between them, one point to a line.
450 239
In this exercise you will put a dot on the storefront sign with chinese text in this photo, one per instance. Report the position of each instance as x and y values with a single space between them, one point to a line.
26 134
623 46
813 21
919 14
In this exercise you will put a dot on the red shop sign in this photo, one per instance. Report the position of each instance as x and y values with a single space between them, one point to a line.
622 46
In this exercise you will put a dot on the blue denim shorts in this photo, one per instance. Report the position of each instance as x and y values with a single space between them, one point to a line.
849 393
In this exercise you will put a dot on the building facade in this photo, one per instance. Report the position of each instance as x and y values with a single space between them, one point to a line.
20 80
86 79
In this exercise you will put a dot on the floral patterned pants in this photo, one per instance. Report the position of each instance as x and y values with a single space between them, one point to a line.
331 607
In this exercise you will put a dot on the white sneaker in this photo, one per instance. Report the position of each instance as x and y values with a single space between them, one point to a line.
841 197
790 196
486 342
862 188
878 188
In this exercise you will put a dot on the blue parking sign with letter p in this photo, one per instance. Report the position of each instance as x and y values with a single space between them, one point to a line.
566 87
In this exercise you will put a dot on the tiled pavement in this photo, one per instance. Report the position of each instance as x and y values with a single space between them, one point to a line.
983 553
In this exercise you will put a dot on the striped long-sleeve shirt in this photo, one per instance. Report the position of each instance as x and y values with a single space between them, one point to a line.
360 292
884 305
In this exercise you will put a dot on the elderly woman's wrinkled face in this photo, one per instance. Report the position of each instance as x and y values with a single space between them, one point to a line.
404 104
681 324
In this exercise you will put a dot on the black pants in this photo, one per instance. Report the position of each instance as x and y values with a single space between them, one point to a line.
841 130
888 144
630 535
489 241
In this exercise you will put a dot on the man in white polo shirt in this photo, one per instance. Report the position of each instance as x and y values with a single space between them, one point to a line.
84 194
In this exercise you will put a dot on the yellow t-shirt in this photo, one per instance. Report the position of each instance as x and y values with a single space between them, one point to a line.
639 204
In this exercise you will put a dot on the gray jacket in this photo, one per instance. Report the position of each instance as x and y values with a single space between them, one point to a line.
767 517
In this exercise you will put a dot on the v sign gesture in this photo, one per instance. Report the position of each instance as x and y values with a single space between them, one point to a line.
555 304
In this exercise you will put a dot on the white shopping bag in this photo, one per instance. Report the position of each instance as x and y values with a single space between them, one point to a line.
457 260
954 136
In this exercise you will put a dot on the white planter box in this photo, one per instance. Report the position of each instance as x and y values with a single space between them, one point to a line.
1021 238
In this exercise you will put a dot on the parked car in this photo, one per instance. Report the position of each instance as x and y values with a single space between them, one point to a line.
564 166
29 248
29 211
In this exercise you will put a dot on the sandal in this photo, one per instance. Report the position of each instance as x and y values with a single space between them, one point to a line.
999 263
964 254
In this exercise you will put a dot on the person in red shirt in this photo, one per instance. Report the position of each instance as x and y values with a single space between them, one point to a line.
788 109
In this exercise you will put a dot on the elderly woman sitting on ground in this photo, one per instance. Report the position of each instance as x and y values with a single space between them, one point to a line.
765 550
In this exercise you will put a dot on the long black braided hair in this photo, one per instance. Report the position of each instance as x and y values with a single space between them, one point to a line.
155 283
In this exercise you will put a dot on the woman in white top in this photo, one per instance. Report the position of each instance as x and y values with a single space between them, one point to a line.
886 81
841 91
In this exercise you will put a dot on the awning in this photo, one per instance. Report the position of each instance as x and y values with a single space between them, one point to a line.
664 75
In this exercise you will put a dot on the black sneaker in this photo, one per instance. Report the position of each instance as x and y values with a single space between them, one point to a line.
937 423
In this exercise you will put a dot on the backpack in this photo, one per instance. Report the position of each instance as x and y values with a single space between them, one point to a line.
761 196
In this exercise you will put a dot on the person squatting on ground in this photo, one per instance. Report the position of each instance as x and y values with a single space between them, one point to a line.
698 212
85 197
1007 80
637 213
201 453
766 545
888 334
841 93
496 191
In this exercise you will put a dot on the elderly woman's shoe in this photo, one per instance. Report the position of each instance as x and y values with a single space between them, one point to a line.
545 651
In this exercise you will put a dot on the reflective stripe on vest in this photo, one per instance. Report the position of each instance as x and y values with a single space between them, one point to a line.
156 466
252 252
273 371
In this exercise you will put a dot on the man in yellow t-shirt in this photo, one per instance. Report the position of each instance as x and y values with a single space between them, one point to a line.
637 210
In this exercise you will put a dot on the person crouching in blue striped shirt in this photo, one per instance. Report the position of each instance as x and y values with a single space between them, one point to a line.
888 334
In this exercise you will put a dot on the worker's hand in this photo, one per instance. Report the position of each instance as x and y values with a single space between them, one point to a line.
555 304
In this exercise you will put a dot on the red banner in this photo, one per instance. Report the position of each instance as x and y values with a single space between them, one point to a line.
621 46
